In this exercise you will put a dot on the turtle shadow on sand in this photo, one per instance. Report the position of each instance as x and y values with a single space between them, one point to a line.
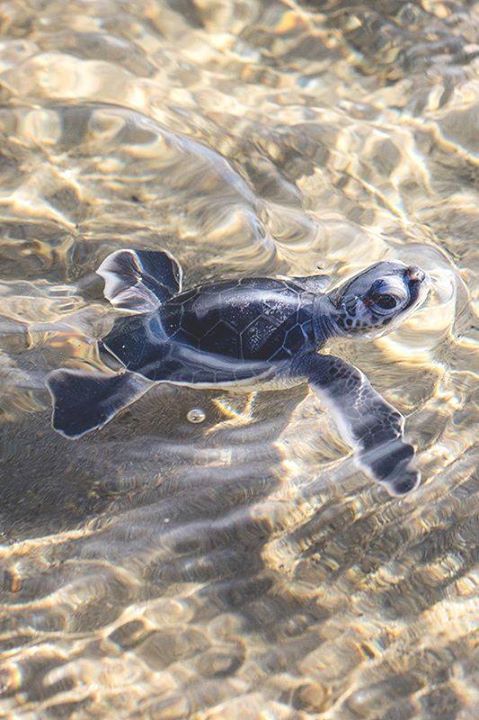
149 503
150 454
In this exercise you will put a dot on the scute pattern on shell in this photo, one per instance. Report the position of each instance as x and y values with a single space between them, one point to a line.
248 319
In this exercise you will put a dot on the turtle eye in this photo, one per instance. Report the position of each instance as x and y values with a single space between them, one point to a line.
384 301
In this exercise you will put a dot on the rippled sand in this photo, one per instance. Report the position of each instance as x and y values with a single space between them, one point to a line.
241 567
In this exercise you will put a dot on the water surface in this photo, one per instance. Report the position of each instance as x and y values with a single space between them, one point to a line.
241 567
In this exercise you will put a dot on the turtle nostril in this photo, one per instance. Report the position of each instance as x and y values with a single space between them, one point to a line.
415 274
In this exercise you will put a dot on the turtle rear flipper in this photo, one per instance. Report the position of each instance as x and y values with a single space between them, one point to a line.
140 280
86 401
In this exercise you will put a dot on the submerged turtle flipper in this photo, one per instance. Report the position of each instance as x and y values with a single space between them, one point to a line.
140 280
365 420
86 401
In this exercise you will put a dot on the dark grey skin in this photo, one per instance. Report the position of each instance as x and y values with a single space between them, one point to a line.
260 333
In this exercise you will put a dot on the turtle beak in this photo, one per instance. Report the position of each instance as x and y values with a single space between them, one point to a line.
418 282
415 274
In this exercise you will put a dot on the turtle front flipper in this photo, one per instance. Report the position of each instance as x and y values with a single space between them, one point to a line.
366 421
86 401
140 280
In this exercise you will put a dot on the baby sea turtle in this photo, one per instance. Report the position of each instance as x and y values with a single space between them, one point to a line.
253 332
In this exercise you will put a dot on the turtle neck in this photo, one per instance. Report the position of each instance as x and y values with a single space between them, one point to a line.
324 326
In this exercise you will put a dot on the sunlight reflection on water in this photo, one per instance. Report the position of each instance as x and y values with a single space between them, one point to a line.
240 566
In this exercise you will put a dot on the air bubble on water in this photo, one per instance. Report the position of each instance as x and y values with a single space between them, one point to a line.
196 415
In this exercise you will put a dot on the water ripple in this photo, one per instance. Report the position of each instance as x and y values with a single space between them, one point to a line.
241 566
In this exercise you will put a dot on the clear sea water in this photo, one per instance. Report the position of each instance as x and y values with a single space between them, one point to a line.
240 567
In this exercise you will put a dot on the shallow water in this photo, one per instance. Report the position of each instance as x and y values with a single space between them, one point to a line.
241 566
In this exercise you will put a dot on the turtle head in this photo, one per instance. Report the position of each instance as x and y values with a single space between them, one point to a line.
377 299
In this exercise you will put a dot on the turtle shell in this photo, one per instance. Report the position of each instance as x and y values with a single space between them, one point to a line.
250 319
